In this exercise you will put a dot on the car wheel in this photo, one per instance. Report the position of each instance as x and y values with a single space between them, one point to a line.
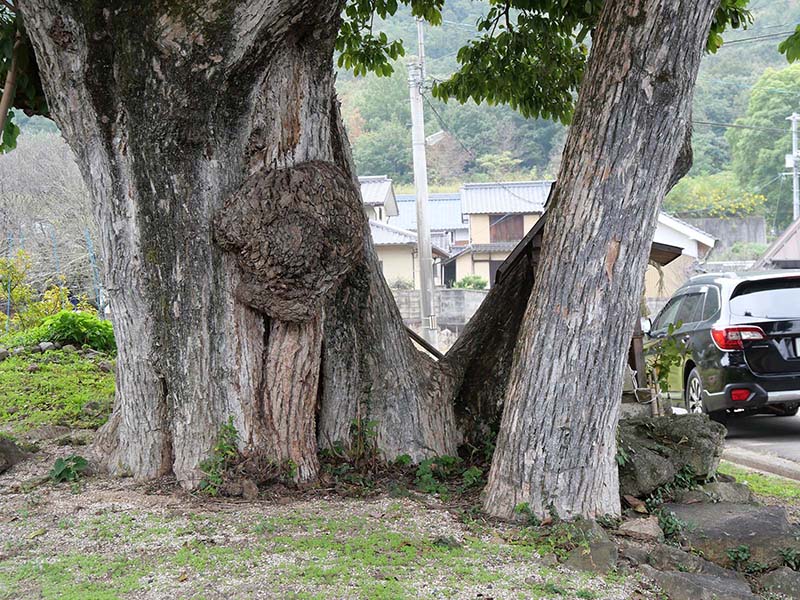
693 394
788 410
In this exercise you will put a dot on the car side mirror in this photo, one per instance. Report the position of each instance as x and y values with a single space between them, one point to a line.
646 324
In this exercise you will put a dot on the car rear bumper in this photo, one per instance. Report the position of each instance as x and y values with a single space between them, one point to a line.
759 397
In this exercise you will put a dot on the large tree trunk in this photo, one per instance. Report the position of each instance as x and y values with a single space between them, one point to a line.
242 278
556 448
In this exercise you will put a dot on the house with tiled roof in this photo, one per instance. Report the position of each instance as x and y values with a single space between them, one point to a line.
395 246
480 226
500 214
448 225
380 203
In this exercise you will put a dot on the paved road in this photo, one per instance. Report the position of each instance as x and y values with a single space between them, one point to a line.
766 434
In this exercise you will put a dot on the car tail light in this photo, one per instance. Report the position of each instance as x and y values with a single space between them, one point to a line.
733 338
740 395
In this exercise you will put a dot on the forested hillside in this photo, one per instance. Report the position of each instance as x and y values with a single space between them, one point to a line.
736 171
491 142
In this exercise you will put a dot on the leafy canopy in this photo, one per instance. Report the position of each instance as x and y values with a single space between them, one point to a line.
529 54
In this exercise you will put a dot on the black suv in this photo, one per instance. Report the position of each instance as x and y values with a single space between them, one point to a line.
741 333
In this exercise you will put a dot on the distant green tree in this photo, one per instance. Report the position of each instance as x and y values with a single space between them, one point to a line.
499 166
717 195
385 150
758 154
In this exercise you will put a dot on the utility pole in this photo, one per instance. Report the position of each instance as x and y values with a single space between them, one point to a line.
795 171
416 79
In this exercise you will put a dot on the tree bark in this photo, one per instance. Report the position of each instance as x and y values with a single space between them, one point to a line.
239 264
556 448
9 86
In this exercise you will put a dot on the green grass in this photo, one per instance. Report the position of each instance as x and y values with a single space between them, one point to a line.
763 485
73 576
311 555
56 393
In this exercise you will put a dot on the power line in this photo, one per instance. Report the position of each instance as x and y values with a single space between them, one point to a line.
763 185
463 25
734 126
472 155
749 86
756 38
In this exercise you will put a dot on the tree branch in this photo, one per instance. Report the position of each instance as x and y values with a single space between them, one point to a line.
8 5
10 86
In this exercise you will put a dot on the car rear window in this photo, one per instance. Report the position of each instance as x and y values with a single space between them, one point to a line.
772 299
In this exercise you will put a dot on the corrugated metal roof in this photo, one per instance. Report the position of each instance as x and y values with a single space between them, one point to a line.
444 212
505 198
379 191
387 235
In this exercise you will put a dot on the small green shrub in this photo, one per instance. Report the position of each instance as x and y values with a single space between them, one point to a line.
523 509
68 469
79 329
671 525
668 355
739 556
791 558
223 454
622 455
609 521
403 460
364 441
472 477
686 479
471 282
432 472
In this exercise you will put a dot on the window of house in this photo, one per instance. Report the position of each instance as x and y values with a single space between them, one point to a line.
506 228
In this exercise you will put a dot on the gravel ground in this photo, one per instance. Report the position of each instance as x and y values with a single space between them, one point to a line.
112 538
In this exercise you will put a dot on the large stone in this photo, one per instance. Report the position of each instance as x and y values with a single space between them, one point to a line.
79 437
783 581
713 529
717 491
634 553
645 528
724 491
46 346
595 551
698 586
10 454
657 448
669 558
4 354
48 432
